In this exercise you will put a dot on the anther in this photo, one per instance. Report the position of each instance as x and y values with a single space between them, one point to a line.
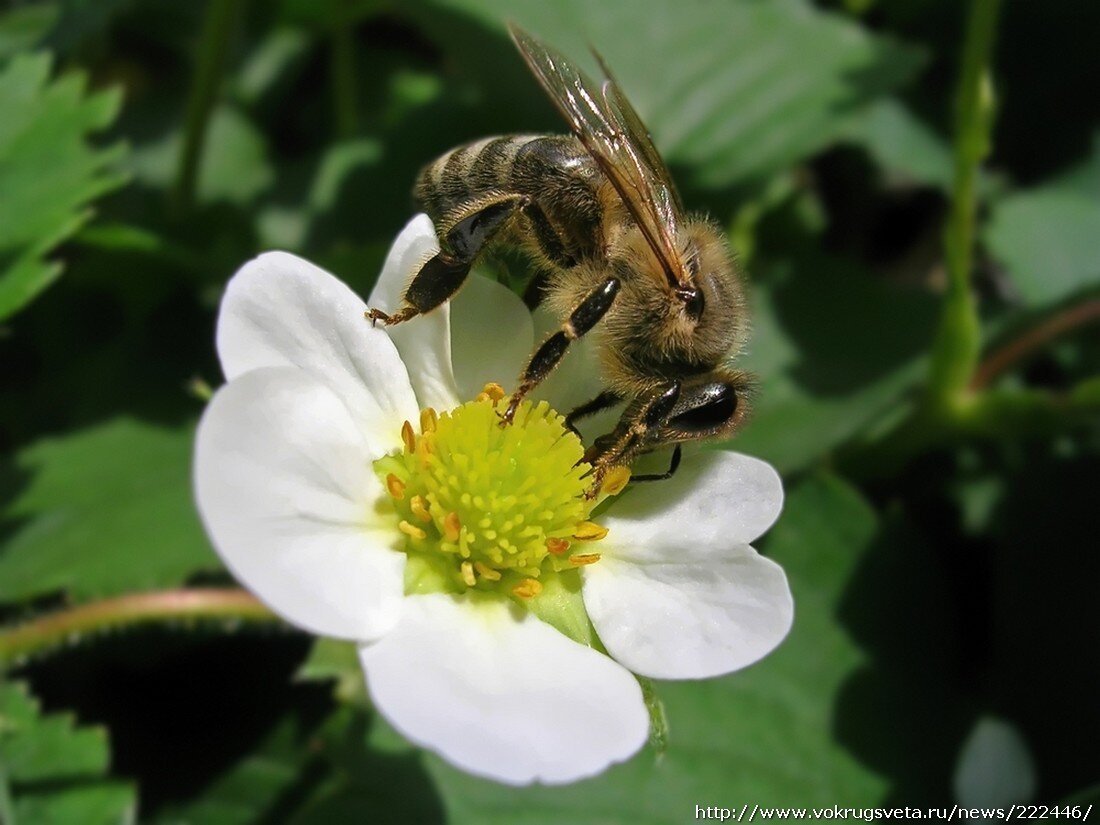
589 531
494 391
419 509
556 546
411 530
409 437
486 571
581 559
428 420
452 527
615 480
468 574
395 486
528 588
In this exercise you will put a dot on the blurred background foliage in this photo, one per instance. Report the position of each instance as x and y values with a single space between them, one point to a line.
936 426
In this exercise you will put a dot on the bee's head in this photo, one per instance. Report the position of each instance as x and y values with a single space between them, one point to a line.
712 303
711 405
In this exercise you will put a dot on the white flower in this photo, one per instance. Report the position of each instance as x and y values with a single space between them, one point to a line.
287 488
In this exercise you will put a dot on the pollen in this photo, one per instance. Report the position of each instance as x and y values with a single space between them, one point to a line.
395 486
408 437
615 480
556 546
419 509
589 531
491 508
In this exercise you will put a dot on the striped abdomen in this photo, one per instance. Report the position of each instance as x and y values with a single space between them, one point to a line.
555 172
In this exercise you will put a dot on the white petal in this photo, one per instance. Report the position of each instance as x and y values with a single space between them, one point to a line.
282 311
577 377
717 499
500 694
689 620
285 488
492 336
424 341
679 594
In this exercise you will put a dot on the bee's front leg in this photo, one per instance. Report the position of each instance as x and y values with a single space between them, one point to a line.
444 274
587 314
631 435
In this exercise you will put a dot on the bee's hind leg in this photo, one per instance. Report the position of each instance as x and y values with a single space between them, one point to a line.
586 315
445 273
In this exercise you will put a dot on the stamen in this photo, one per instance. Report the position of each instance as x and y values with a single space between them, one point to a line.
411 530
504 507
428 420
452 527
419 508
409 437
589 531
615 480
557 546
395 486
528 588
494 391
468 574
486 571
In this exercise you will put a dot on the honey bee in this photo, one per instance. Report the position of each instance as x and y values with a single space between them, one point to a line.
617 257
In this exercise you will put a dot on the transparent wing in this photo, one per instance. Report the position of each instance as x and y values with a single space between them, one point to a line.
609 128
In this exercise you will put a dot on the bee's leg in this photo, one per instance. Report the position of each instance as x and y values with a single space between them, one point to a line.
536 289
586 315
442 276
673 466
607 398
621 445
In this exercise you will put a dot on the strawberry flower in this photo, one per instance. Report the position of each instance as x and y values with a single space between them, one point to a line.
356 481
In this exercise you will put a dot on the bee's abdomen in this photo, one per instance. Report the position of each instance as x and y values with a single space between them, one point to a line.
555 173
468 172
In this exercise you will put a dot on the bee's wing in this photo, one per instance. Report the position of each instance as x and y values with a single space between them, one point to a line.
610 129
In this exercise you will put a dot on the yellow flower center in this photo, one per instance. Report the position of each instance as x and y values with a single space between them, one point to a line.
491 507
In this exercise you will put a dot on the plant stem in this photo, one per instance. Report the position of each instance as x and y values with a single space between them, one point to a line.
213 44
1042 333
19 643
956 348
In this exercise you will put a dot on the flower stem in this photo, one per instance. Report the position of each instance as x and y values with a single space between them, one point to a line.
956 348
19 643
1042 333
213 45
658 719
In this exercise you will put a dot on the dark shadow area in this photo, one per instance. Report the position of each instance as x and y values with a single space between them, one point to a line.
181 709
911 607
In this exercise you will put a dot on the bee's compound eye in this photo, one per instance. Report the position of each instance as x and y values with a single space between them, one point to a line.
693 300
708 407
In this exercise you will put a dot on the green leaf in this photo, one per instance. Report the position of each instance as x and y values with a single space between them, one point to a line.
100 512
765 735
52 771
235 164
731 91
1046 237
337 660
901 144
834 350
23 28
48 172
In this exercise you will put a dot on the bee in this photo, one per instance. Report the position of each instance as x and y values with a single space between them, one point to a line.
616 256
